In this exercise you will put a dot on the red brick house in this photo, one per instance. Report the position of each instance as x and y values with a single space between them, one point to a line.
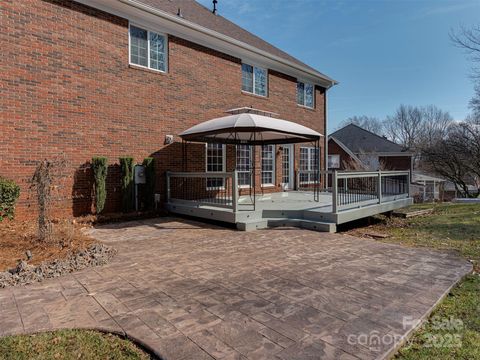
354 148
123 78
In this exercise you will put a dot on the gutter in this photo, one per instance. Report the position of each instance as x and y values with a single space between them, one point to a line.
325 79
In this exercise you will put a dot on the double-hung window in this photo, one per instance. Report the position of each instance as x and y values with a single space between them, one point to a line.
254 80
148 49
268 164
215 154
305 94
309 158
244 165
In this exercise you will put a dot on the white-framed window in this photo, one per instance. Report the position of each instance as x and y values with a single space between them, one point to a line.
148 48
305 94
215 162
268 164
309 158
244 165
334 161
254 79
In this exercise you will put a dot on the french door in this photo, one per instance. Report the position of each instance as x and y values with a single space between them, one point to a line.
287 167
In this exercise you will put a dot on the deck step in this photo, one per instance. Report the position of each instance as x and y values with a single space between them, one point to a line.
304 224
287 222
252 225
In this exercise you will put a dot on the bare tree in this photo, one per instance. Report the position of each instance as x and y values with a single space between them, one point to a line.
435 125
475 102
369 123
405 126
456 156
469 40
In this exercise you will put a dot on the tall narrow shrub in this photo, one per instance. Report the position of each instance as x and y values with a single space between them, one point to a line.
99 167
126 164
9 193
150 185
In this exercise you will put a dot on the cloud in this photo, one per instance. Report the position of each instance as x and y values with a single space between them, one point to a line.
446 7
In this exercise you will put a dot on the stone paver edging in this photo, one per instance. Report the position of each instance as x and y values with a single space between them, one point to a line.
191 291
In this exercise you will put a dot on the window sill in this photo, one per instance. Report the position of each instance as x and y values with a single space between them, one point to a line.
306 107
244 186
268 185
139 67
254 95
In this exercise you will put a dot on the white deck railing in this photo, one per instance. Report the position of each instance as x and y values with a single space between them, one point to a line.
349 189
354 189
203 188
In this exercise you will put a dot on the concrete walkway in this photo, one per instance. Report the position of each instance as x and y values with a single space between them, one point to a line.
190 291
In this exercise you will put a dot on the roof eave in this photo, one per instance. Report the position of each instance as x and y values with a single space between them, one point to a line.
325 81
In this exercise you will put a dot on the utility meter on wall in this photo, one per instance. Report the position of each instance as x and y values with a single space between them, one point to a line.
140 177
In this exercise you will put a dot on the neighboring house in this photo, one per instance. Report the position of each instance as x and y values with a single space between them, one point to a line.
450 192
354 148
427 188
124 78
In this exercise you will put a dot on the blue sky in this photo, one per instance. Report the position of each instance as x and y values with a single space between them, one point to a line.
383 52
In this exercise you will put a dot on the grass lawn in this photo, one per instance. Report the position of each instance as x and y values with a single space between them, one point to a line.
453 329
69 344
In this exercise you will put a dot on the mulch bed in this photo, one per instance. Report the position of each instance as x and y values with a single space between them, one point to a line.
18 237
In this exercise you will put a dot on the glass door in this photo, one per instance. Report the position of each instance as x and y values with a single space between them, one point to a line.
287 167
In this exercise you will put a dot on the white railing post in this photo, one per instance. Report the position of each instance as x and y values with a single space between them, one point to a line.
234 190
379 188
408 184
168 186
334 191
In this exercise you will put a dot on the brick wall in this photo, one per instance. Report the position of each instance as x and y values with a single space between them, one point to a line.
66 87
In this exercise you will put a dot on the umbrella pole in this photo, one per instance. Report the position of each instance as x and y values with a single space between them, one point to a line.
254 172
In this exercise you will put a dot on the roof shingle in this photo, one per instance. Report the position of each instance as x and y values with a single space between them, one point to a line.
359 140
200 15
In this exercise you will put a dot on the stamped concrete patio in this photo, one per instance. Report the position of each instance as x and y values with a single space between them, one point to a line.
191 291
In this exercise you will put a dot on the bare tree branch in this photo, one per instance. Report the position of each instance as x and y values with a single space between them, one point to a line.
369 123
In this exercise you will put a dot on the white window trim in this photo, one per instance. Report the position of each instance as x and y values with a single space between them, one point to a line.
273 167
304 93
308 160
251 170
149 30
224 166
253 79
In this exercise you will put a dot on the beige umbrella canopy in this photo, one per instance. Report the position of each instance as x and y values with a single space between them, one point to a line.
250 128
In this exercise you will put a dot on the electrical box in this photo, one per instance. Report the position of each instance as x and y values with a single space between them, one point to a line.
140 176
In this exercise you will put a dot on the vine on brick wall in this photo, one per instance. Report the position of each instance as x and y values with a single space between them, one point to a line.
45 182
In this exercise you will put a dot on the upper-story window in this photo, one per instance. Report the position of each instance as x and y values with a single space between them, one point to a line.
148 49
254 80
305 94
